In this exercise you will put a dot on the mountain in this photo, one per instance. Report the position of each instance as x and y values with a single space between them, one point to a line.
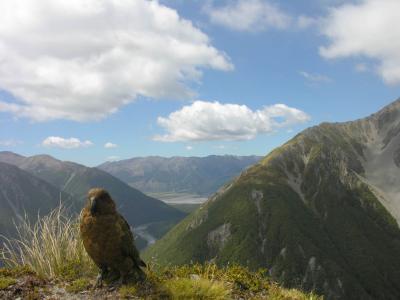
193 175
11 158
321 212
76 179
23 194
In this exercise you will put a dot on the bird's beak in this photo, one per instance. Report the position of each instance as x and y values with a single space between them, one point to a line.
93 205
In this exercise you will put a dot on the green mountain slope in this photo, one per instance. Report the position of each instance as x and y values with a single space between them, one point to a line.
77 179
193 175
321 213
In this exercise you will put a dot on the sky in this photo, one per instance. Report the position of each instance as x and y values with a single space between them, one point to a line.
95 80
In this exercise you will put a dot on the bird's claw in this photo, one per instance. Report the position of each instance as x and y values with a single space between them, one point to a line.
99 281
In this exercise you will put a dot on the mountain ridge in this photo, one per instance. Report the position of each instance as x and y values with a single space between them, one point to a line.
306 214
194 175
77 179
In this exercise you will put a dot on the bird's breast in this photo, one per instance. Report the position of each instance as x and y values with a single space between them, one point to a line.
101 237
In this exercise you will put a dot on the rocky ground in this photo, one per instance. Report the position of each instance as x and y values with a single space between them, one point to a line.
32 287
205 282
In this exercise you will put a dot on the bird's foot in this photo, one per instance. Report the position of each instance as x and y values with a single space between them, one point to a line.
99 281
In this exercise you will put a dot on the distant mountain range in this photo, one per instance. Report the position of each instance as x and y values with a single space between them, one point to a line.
22 194
321 212
192 175
72 181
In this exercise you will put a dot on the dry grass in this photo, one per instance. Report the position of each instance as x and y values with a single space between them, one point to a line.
51 247
201 289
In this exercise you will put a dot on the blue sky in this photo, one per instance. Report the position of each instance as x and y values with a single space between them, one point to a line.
215 85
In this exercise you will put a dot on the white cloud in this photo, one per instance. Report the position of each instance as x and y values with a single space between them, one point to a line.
189 148
369 28
304 22
248 15
82 60
202 121
70 143
110 145
315 78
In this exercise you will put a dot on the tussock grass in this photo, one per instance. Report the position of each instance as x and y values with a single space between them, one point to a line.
208 281
51 247
201 289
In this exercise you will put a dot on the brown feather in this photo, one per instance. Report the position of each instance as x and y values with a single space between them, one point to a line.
106 235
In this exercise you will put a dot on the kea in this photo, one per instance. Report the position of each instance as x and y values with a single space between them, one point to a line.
108 240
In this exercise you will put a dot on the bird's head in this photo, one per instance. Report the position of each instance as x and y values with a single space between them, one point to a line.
100 202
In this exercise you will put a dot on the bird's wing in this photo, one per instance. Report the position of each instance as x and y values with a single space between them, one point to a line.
128 245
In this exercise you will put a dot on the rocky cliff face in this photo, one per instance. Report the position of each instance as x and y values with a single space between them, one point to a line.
321 212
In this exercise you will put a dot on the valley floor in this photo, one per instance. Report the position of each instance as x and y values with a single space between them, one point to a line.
179 198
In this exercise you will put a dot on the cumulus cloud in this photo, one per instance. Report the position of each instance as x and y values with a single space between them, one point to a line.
248 15
368 28
110 145
315 78
205 121
255 16
70 143
82 60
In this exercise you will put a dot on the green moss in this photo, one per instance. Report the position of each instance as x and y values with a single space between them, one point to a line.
243 279
128 291
278 293
78 285
201 289
5 282
75 270
16 271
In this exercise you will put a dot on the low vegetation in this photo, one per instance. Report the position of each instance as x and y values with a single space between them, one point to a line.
51 247
47 259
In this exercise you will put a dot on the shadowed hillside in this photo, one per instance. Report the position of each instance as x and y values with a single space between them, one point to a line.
23 194
77 179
